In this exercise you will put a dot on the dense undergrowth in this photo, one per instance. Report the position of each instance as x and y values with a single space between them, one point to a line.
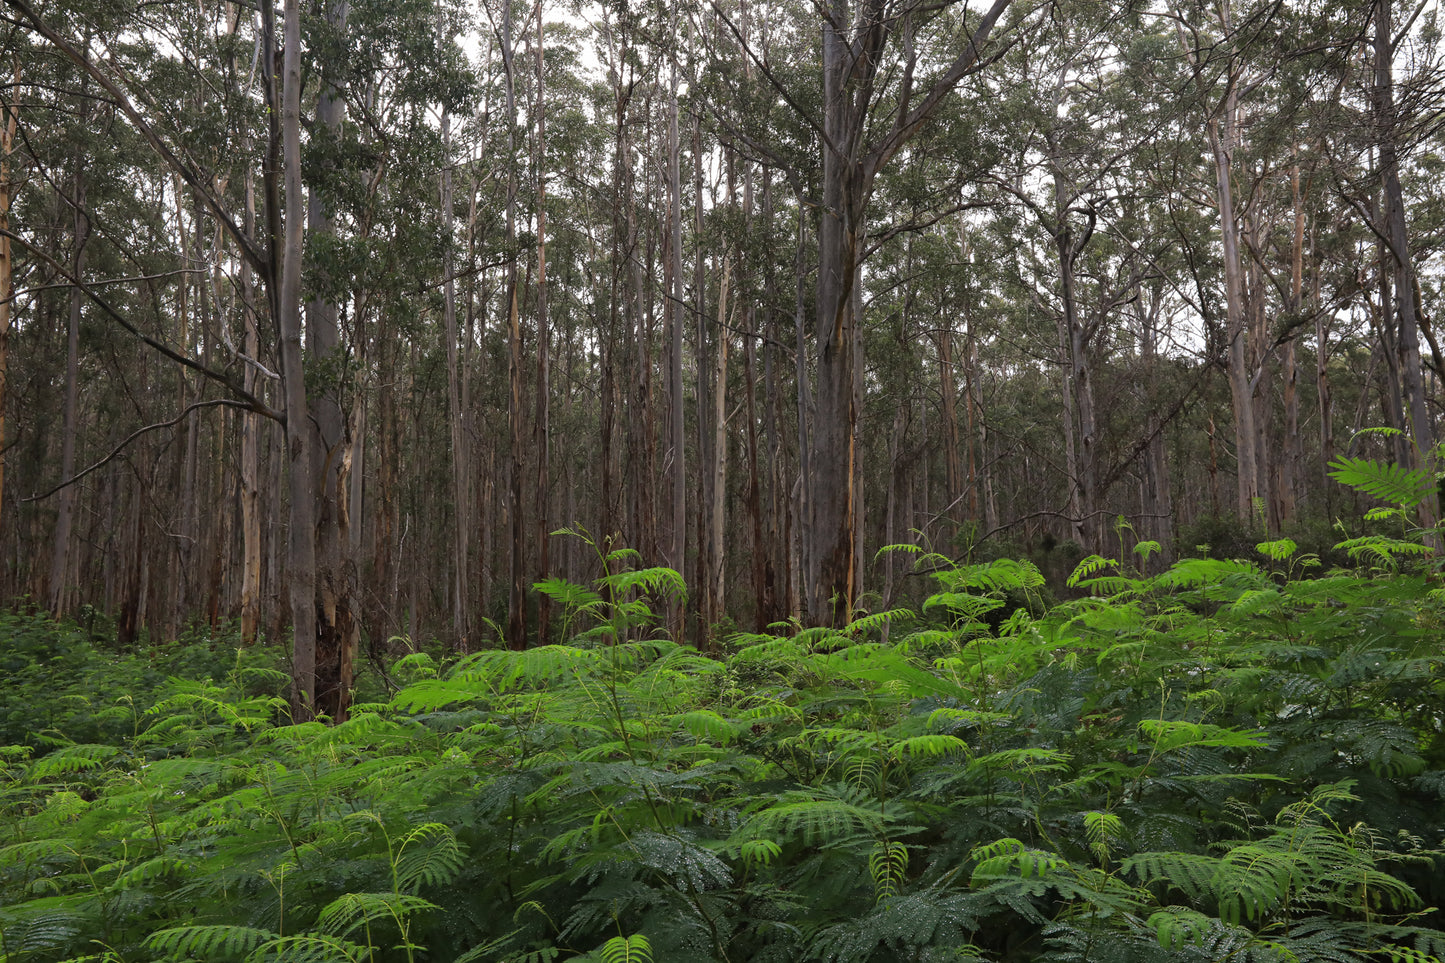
1222 762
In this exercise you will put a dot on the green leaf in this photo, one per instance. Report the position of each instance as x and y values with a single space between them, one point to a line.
1387 482
627 949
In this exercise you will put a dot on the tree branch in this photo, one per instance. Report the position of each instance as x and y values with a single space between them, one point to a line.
115 452
246 399
248 246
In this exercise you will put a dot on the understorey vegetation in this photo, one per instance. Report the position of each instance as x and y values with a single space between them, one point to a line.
1231 760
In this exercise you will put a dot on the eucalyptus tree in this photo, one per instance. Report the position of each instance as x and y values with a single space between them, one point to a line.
885 69
1391 226
201 148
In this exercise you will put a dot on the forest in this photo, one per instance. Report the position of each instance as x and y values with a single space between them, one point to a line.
859 480
335 317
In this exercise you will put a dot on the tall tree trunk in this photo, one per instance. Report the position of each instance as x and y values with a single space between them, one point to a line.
7 146
251 428
517 595
286 309
1408 342
541 427
952 444
461 526
853 45
672 318
1292 456
717 487
60 559
1221 141
832 510
338 628
1221 133
1156 498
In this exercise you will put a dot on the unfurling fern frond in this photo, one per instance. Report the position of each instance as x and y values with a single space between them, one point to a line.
887 865
1103 831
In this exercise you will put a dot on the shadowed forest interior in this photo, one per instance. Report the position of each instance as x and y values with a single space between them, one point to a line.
332 316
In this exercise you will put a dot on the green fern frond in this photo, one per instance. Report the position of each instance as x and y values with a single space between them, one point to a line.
208 941
998 577
570 595
814 821
1089 566
1381 549
627 949
1167 735
429 855
934 746
1191 873
760 851
888 865
1199 572
352 911
309 948
969 608
706 724
664 581
1279 550
1403 954
1400 486
1256 602
1031 759
70 760
1103 830
1178 926
879 620
429 695
1008 857
1251 880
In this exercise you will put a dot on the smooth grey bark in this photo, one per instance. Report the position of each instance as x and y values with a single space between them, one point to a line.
516 593
1407 310
338 625
675 459
460 520
286 309
1221 131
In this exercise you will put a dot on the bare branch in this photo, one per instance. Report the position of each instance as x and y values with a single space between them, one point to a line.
246 399
115 452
